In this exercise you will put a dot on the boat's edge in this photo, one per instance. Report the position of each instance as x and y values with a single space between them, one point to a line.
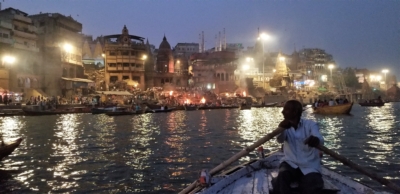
223 179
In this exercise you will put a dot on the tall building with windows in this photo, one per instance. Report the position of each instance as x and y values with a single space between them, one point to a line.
314 62
182 53
18 40
60 41
213 71
125 60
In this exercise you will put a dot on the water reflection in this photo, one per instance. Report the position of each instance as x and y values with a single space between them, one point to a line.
65 153
161 153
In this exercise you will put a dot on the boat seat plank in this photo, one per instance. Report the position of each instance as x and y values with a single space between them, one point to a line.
329 187
255 182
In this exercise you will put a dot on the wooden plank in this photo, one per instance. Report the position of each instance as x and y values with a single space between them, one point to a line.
261 182
244 185
271 173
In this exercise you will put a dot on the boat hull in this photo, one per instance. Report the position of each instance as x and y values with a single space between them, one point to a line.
265 105
55 112
244 107
371 104
337 109
189 108
163 110
7 149
121 113
255 177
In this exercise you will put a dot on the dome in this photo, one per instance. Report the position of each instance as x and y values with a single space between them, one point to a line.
164 44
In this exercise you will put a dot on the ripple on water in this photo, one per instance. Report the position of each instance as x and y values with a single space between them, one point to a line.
163 152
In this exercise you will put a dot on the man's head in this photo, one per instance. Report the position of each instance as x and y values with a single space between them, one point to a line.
292 109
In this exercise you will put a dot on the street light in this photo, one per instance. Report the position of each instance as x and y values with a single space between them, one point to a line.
385 71
67 48
262 37
179 66
245 67
330 66
144 57
7 59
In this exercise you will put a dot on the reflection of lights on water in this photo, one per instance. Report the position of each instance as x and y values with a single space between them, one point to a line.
67 132
10 127
380 121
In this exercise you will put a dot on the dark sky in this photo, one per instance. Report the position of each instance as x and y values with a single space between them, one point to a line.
358 33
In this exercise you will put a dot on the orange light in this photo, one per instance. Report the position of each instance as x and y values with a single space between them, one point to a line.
244 94
203 100
170 93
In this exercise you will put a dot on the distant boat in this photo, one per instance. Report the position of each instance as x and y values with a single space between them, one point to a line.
244 106
265 105
36 112
121 113
163 110
189 108
101 110
336 109
371 103
7 149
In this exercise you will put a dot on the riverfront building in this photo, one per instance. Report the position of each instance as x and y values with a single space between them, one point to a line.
60 41
18 41
125 57
213 71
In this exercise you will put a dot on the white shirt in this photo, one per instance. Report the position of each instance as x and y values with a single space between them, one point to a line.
331 103
296 153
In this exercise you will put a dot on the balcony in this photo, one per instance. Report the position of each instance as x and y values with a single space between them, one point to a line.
23 19
26 47
32 29
6 25
112 69
6 40
25 35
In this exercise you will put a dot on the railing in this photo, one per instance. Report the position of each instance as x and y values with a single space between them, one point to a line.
26 47
6 40
25 34
22 18
6 25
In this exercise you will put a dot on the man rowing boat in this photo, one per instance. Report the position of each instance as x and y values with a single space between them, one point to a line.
301 161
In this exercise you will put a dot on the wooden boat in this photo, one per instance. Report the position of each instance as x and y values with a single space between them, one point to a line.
180 107
217 107
265 105
121 113
245 107
7 149
56 111
101 110
372 103
153 106
189 108
11 112
162 110
255 177
336 109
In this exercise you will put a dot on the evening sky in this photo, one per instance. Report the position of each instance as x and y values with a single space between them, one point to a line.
358 33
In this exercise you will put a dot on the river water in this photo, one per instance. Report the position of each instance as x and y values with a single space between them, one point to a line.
164 152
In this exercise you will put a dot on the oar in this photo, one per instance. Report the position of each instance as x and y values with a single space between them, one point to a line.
237 156
355 166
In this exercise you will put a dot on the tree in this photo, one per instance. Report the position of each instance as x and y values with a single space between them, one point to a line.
350 78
